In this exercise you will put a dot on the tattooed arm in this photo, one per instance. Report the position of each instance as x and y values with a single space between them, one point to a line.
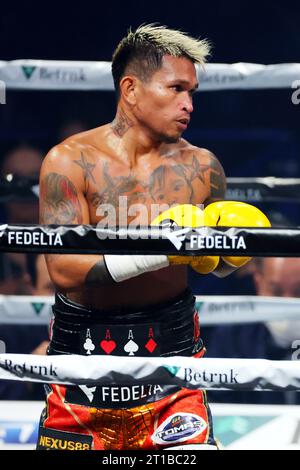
216 180
217 188
62 201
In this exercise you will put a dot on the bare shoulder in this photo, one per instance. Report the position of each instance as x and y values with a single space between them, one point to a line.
204 155
58 163
67 151
61 154
210 167
74 154
58 167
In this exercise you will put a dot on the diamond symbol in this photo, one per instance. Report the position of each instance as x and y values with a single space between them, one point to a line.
151 345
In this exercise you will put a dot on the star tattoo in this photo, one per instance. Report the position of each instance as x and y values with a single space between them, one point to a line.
87 169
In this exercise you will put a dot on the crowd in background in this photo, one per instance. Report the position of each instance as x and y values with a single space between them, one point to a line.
253 133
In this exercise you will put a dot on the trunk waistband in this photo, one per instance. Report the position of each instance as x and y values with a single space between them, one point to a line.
166 329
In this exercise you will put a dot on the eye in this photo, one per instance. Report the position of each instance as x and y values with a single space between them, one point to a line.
177 88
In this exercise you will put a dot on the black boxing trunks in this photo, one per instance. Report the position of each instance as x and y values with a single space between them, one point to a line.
125 416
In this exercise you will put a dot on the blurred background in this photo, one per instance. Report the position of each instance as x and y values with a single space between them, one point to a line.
254 133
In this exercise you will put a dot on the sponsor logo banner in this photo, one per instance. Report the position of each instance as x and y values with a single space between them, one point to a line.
179 427
118 396
52 439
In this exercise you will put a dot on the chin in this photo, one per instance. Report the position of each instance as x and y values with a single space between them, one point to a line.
170 139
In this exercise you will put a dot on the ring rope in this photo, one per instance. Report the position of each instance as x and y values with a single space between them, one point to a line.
88 239
221 374
75 75
213 310
267 189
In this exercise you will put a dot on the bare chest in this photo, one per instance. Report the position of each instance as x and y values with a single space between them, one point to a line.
144 191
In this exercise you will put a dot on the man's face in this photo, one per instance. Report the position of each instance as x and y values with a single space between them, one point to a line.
164 103
280 277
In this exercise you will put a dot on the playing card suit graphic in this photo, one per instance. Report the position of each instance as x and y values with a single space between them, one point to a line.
89 345
151 345
131 347
108 345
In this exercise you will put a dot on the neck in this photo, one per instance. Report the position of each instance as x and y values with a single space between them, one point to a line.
135 139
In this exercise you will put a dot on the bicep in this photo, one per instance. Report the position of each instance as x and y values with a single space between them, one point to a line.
61 203
216 181
61 199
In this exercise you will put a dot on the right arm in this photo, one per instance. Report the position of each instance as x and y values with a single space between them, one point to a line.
62 201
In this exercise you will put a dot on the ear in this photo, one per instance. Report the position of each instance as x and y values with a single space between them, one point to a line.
128 86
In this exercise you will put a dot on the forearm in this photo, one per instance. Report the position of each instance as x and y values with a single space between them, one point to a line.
71 272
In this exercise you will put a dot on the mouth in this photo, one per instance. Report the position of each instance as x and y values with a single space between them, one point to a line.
183 123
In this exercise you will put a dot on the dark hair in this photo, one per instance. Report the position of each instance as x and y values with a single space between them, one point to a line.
141 51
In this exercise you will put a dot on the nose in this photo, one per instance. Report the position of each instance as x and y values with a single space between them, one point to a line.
187 103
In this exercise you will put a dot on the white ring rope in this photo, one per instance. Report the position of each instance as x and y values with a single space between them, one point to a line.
269 188
214 310
230 309
222 374
70 75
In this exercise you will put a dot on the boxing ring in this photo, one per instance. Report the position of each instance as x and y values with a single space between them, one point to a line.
237 426
234 424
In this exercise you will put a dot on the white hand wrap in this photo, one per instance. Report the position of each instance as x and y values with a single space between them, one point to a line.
122 267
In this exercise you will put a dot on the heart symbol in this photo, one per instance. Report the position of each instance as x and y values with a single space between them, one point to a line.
108 345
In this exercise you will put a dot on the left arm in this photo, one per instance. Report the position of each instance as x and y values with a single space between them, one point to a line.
229 214
217 188
216 180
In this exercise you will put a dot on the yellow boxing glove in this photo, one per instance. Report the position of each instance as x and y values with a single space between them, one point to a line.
236 214
187 215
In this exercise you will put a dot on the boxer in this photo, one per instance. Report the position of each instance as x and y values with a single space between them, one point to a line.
135 305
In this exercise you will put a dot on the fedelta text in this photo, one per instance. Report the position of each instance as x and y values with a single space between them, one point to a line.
34 238
218 242
123 394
